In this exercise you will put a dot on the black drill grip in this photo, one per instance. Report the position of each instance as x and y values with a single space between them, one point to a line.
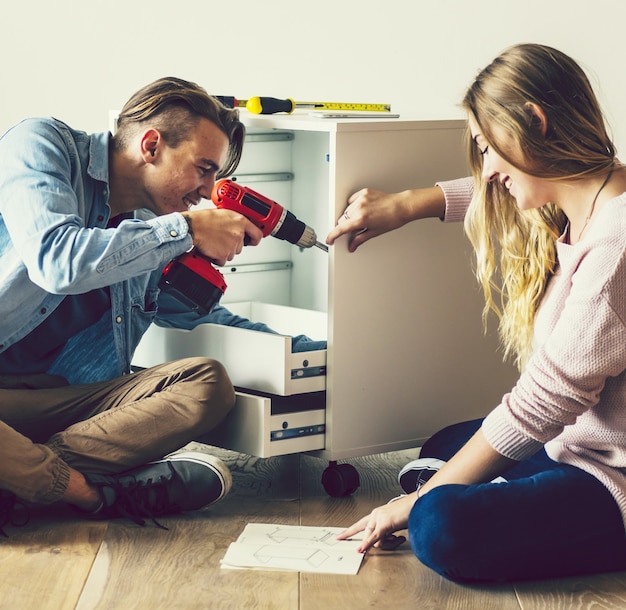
270 105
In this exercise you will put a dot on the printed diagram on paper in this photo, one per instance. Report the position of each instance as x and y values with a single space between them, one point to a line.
294 548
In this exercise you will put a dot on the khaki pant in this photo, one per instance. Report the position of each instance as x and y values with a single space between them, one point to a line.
46 426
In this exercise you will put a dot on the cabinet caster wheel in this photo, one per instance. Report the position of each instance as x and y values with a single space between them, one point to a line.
340 479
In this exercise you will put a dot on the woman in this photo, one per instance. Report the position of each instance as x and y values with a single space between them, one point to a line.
548 215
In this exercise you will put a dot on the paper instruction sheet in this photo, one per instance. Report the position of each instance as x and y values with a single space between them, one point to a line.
294 548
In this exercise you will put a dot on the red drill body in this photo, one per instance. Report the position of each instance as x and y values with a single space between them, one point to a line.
192 279
271 217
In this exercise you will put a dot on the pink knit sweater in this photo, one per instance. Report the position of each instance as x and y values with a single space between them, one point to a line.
571 398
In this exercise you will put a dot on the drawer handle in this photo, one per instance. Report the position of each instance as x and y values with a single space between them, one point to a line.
310 371
281 435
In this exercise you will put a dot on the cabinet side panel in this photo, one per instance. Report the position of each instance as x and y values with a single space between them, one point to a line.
311 166
407 353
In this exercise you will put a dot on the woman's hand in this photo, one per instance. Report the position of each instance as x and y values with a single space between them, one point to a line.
371 213
381 523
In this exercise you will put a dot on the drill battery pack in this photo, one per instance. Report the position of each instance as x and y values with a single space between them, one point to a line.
192 280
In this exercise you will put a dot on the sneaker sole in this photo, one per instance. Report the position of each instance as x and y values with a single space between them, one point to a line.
214 463
412 472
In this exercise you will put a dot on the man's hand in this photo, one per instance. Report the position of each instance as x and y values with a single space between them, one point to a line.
221 234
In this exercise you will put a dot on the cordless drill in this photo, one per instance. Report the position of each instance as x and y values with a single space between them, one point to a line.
193 280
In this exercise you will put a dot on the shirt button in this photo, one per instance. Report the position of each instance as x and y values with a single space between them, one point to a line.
42 311
174 233
118 319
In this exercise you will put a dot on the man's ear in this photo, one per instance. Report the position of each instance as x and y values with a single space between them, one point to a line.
150 142
537 116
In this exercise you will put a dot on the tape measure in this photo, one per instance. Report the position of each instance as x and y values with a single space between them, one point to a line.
344 106
272 105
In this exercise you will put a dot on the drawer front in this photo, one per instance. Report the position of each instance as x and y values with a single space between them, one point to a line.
258 361
260 427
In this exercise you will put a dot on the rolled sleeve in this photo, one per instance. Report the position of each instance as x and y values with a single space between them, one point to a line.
458 194
506 439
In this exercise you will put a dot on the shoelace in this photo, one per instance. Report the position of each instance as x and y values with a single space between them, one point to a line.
424 476
139 500
12 512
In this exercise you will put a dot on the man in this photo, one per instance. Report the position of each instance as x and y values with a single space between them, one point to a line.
87 223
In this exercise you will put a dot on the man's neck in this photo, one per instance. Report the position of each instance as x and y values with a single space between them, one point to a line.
125 194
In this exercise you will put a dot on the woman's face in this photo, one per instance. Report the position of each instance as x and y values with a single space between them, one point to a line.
529 191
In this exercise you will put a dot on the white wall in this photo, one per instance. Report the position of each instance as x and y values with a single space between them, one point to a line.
76 60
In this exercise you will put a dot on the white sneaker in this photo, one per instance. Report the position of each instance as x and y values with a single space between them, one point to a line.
417 472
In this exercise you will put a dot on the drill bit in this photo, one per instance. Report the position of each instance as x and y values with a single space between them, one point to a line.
321 246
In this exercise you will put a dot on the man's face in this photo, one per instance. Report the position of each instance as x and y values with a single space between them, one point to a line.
178 178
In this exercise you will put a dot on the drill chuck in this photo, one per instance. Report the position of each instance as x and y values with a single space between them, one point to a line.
308 239
294 231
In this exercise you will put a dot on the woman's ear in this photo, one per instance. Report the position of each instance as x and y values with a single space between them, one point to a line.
537 116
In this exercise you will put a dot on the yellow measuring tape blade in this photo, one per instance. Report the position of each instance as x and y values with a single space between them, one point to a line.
344 106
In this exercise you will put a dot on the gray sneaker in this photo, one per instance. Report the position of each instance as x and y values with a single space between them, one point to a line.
183 481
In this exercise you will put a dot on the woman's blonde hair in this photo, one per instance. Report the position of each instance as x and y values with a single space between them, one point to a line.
174 106
515 249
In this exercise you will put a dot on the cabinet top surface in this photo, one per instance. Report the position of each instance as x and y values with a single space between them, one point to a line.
305 122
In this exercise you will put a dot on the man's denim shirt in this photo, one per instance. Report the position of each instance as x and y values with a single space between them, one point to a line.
54 210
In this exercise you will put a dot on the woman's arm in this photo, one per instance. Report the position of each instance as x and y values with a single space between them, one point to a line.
370 212
475 462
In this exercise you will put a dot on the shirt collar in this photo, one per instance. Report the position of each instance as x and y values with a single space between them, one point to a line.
99 156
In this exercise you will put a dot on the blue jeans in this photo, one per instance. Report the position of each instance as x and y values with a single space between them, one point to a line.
549 520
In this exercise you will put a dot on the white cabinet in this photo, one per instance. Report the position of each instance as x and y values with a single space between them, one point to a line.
402 316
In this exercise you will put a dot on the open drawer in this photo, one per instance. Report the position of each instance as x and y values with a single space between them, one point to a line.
267 426
257 361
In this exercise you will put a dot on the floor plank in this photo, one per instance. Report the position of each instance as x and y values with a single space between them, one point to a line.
180 568
139 568
60 561
45 564
386 579
599 592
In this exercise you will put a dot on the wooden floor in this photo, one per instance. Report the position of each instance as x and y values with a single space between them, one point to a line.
60 562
